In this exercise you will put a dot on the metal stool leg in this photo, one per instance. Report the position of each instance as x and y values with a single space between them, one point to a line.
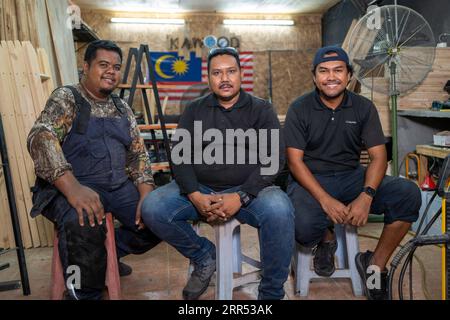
304 272
341 252
237 253
352 249
224 260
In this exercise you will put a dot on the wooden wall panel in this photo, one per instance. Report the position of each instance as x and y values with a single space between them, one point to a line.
294 47
421 97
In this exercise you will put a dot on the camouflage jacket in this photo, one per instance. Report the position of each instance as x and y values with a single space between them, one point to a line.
52 126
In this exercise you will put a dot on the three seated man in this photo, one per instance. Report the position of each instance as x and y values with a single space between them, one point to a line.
229 149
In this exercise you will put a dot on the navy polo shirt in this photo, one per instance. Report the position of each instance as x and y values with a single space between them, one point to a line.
332 140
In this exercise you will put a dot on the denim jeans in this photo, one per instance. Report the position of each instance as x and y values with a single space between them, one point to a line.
397 198
167 213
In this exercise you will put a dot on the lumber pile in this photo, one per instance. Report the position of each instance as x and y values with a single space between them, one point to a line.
44 24
28 76
24 88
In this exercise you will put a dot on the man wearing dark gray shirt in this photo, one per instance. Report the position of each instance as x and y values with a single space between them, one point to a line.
228 154
325 131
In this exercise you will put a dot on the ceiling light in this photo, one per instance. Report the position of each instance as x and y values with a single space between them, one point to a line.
259 22
147 21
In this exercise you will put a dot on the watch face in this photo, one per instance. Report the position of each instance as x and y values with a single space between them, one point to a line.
370 191
245 199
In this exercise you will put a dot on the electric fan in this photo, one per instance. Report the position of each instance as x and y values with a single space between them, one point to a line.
395 44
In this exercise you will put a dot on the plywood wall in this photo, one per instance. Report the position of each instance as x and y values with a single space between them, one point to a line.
293 47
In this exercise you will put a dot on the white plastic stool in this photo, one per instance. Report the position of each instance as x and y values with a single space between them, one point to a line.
229 259
348 247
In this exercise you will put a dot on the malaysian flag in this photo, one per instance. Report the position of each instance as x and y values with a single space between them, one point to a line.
179 93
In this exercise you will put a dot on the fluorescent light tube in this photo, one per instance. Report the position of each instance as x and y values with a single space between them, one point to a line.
147 21
258 22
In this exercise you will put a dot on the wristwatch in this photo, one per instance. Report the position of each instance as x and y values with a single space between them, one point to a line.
369 191
245 198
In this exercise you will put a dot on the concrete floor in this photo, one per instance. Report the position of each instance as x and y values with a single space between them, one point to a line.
162 273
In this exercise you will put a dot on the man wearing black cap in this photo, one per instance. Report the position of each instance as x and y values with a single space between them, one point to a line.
325 131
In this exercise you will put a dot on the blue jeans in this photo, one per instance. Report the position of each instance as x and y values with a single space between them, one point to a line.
167 213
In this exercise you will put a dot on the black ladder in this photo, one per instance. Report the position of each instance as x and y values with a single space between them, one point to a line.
140 56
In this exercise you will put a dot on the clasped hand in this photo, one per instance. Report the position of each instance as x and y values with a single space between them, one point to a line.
356 213
216 207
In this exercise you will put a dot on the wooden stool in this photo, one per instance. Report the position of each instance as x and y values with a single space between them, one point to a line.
112 267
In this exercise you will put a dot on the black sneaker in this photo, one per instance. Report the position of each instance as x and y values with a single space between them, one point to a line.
362 261
324 258
124 269
199 279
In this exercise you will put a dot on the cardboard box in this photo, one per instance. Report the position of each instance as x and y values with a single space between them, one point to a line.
442 139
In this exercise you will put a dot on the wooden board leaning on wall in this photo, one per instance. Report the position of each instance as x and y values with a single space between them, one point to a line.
23 98
44 24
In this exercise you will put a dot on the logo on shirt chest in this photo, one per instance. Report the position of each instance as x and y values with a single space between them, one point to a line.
351 122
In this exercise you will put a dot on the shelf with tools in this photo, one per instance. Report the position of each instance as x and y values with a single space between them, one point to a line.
424 113
416 128
432 151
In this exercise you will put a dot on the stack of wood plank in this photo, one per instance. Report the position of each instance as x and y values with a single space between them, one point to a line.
45 24
24 88
421 97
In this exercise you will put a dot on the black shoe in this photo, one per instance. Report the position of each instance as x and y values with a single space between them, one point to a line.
324 258
362 261
124 269
199 279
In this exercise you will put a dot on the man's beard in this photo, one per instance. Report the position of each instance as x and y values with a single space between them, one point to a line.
106 92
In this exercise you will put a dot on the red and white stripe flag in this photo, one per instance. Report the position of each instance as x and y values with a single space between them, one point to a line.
180 93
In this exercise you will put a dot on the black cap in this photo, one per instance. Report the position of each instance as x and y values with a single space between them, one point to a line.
340 55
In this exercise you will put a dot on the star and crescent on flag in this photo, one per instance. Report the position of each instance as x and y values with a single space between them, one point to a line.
186 78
